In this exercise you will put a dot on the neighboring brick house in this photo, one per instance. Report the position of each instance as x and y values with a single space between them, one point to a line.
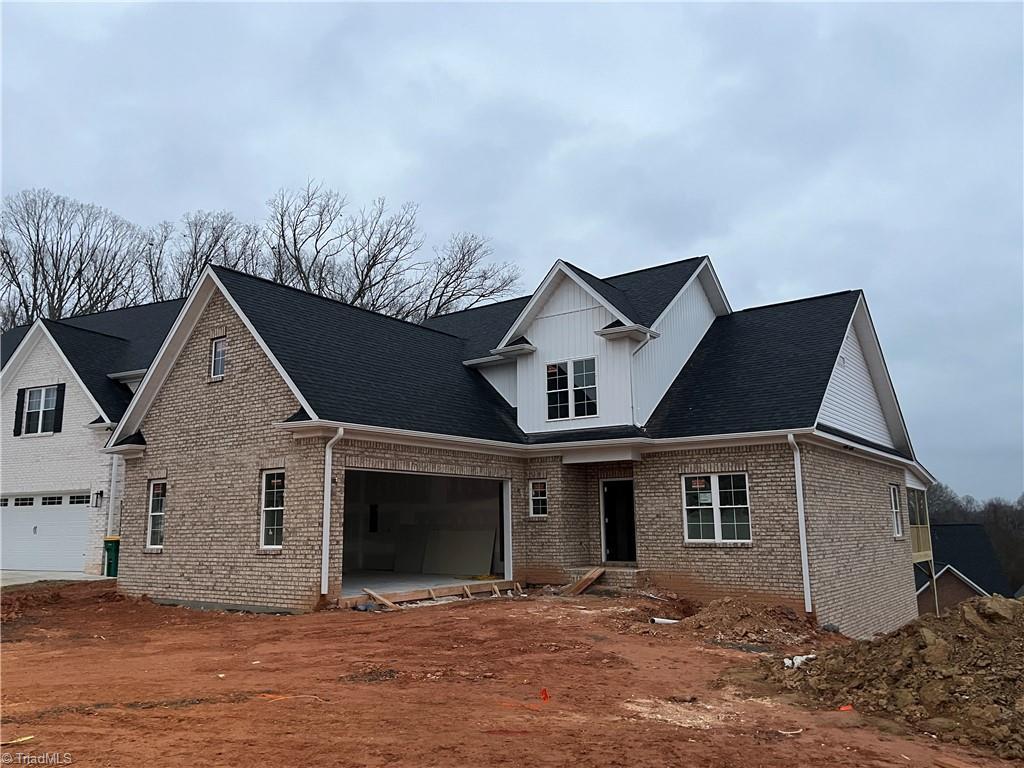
65 384
284 449
966 566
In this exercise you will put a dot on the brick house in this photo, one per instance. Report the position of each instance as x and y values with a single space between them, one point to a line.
284 449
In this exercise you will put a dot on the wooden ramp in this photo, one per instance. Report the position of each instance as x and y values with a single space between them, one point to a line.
581 585
392 600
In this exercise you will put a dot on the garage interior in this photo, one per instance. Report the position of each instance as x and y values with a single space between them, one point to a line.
405 532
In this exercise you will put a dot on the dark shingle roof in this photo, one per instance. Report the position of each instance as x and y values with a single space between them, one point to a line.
757 370
364 368
107 342
641 295
968 548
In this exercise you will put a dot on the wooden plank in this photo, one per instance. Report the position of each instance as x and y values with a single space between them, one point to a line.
381 599
494 589
416 595
581 585
432 595
466 590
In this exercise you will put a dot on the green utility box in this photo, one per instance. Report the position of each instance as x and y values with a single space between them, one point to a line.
110 549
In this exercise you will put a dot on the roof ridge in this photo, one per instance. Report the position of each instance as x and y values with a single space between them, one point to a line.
337 302
85 330
797 301
655 266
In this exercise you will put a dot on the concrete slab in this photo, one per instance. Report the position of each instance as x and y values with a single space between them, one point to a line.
388 582
9 578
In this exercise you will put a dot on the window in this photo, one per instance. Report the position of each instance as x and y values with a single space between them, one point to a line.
584 389
50 501
218 349
716 507
83 499
897 518
273 508
41 410
3 501
538 498
917 506
157 498
24 501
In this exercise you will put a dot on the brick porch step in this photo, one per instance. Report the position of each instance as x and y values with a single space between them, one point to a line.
620 577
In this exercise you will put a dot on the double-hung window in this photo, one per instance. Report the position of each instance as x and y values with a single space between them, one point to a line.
272 518
157 498
218 353
538 498
41 410
716 507
572 397
897 517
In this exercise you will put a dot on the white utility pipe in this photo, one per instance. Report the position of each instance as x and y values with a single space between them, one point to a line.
325 540
801 521
656 620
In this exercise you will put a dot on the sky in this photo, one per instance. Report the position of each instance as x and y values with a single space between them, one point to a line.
806 148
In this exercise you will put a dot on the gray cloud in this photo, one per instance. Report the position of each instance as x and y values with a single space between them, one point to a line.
806 148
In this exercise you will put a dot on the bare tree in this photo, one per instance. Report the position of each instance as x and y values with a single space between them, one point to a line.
176 258
60 257
305 232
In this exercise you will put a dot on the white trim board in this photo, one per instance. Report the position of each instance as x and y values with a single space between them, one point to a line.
960 576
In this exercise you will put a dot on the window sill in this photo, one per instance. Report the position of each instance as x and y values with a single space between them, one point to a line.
152 550
536 517
725 544
270 551
37 434
214 379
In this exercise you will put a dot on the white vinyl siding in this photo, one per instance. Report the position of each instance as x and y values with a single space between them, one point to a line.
657 363
563 330
502 378
851 402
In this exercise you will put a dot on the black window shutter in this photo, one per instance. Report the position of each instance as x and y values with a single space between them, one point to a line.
19 412
58 412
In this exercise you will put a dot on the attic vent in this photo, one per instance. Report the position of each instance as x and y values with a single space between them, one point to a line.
842 361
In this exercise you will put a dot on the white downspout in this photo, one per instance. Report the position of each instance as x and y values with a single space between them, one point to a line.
801 522
325 540
115 465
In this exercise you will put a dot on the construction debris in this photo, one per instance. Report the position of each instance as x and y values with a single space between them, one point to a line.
959 676
581 585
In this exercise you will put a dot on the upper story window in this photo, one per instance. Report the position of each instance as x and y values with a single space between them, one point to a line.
897 517
583 386
218 352
40 410
717 507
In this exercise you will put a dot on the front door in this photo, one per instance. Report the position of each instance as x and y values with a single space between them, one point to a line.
619 529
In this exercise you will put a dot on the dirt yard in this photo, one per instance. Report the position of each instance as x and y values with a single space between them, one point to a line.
539 681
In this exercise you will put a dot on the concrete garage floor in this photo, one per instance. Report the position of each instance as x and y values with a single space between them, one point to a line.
389 582
9 578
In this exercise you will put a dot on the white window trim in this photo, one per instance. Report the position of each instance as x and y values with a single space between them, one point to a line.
546 497
264 507
896 512
150 515
41 411
569 364
716 509
213 356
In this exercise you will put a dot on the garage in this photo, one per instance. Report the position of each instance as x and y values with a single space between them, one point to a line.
44 532
405 532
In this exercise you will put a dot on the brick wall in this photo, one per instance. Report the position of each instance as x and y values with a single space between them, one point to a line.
766 569
210 441
862 578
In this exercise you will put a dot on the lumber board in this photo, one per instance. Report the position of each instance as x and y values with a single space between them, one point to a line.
580 585
381 599
416 595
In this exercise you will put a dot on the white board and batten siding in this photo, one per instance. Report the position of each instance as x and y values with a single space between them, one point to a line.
851 402
563 329
657 364
502 378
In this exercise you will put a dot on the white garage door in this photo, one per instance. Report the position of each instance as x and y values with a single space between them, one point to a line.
44 537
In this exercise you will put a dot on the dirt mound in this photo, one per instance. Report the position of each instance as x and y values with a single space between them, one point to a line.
959 676
20 599
730 621
14 603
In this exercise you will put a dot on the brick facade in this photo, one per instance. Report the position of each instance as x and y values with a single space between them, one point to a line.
862 579
210 443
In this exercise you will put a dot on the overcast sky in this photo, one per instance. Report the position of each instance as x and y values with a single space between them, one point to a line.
805 148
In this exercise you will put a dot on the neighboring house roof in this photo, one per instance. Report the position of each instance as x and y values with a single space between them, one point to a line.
641 295
106 342
967 549
756 370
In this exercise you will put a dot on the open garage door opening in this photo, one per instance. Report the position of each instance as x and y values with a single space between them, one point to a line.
406 532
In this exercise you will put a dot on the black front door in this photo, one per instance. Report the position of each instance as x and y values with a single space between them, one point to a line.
619 530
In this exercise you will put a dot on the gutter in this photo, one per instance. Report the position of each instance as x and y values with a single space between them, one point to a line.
805 567
325 539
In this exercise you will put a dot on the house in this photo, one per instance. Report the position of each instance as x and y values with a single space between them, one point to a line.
64 384
966 566
284 449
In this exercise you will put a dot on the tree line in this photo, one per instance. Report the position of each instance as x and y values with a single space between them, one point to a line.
61 257
1003 521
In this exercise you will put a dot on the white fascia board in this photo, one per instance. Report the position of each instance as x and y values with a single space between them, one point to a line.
37 333
960 576
122 375
559 268
635 331
172 345
713 288
514 350
485 362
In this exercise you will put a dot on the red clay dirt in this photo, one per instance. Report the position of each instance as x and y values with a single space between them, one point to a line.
540 681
